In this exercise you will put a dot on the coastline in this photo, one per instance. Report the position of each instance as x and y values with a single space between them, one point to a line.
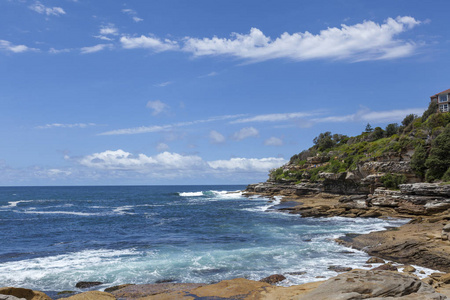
315 205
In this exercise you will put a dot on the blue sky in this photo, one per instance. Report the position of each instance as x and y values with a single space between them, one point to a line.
203 92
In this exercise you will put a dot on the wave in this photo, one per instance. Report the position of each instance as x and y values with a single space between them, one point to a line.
212 193
75 213
12 204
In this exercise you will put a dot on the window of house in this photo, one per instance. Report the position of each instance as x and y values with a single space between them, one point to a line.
443 98
443 107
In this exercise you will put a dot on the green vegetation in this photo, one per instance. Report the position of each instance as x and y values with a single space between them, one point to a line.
427 137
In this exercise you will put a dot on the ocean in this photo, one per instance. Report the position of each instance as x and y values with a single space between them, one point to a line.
53 237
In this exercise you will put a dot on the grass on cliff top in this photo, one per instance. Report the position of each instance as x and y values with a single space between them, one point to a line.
427 138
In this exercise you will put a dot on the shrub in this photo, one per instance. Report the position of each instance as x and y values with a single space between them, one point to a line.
392 181
432 109
391 129
418 161
439 159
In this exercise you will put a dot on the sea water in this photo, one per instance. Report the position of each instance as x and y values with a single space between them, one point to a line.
53 237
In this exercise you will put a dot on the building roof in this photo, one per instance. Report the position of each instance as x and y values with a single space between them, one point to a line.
443 92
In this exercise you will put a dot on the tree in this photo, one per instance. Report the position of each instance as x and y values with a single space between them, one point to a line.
377 134
368 128
391 129
408 119
439 159
418 161
324 141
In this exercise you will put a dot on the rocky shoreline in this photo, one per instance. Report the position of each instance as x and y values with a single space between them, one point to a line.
423 242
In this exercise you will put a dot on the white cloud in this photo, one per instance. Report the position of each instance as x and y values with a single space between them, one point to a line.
162 147
59 125
273 141
274 117
146 42
163 84
367 115
96 48
133 14
109 29
121 160
159 128
363 41
49 11
157 106
8 46
216 137
247 164
175 165
57 51
245 133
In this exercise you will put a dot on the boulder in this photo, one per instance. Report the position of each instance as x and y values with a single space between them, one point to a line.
87 284
92 295
272 279
117 287
339 269
363 284
24 293
9 297
375 260
386 267
445 232
409 269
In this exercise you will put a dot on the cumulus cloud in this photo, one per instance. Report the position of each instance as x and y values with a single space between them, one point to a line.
10 47
175 164
363 41
107 32
133 14
247 164
216 137
49 11
273 141
147 42
96 48
59 125
245 133
157 106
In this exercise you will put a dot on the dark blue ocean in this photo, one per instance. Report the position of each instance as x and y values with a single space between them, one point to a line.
53 237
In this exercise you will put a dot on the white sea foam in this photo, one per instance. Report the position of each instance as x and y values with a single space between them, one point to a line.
190 194
12 204
124 210
213 193
75 213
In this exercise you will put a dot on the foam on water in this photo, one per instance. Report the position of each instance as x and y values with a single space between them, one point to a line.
75 213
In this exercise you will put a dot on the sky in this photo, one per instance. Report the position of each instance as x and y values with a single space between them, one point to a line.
203 92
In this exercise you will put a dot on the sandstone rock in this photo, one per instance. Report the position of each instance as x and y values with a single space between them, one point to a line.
92 295
363 284
272 279
117 287
9 297
339 269
375 260
234 289
409 269
445 278
24 293
144 290
385 267
427 189
87 284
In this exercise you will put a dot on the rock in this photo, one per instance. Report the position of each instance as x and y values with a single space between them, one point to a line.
375 260
117 287
143 290
427 189
87 284
24 293
9 297
272 279
92 295
445 232
445 278
385 267
229 289
409 269
363 284
339 269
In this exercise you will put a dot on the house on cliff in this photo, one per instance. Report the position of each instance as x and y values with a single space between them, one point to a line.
443 100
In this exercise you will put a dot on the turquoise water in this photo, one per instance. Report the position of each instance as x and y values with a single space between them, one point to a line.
53 237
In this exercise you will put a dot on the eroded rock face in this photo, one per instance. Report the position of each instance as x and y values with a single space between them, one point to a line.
92 295
363 284
24 293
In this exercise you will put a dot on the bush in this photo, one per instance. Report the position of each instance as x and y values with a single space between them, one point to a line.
392 181
418 161
432 109
391 129
408 119
439 159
